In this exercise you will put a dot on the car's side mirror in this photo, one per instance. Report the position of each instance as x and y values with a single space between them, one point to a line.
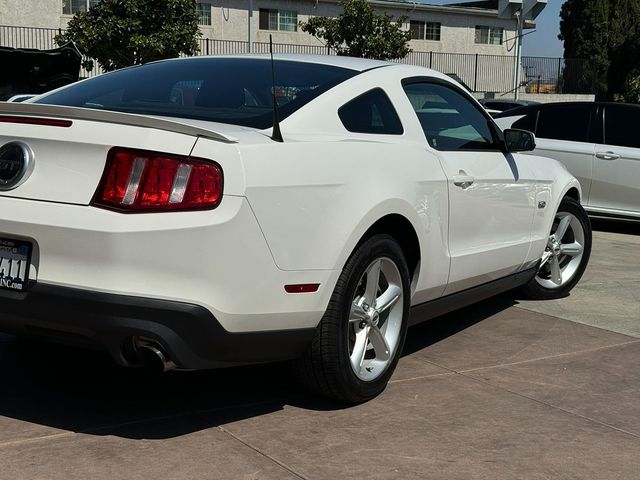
517 140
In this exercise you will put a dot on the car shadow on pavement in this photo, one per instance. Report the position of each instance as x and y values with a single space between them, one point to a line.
83 391
433 331
613 226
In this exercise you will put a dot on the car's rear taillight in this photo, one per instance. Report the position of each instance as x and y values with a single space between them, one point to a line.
141 181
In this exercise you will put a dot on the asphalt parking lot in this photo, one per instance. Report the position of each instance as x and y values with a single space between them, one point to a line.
505 389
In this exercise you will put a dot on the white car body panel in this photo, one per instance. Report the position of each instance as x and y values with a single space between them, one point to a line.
305 220
291 212
490 220
187 256
59 176
578 157
551 192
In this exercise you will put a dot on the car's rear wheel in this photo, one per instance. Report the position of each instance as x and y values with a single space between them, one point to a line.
361 335
566 255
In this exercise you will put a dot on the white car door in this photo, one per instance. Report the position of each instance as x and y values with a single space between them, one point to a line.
491 194
616 171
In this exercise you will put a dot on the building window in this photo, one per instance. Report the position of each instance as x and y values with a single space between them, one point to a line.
489 35
288 20
268 19
432 31
416 27
283 20
71 7
424 30
204 13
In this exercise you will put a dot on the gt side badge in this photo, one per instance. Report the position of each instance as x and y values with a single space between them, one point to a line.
542 204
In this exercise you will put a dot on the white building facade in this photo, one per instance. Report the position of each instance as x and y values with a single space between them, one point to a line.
450 29
470 41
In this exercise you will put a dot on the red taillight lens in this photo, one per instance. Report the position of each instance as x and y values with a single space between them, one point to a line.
142 181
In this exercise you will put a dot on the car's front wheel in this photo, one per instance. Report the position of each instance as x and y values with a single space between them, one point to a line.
361 335
566 255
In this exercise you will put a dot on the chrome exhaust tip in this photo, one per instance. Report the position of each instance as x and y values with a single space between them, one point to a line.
153 356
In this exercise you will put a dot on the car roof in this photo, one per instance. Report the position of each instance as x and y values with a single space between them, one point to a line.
352 63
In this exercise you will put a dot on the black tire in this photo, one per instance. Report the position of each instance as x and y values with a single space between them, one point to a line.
533 289
325 368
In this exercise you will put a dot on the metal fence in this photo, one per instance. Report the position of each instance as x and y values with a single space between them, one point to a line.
210 46
28 37
480 73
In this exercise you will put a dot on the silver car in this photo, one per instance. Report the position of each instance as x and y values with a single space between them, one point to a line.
600 145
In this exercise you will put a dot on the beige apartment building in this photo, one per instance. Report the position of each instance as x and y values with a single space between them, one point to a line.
474 42
451 29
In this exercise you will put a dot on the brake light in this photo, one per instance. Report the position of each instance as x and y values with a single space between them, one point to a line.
50 122
139 181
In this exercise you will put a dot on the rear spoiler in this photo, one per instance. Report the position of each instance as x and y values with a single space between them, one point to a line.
106 116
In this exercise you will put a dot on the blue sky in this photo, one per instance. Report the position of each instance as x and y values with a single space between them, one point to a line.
544 41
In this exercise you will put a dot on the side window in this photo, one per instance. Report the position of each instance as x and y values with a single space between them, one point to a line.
564 122
528 122
449 120
371 112
621 126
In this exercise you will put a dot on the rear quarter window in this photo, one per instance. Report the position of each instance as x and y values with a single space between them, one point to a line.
371 112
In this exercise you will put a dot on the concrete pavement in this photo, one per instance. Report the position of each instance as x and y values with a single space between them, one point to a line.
501 390
609 292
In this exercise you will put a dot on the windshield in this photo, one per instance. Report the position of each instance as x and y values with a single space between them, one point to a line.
227 90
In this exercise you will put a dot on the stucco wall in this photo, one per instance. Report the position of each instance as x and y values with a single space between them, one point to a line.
229 22
481 67
33 13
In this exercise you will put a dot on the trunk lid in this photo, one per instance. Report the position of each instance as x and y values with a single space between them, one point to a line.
68 158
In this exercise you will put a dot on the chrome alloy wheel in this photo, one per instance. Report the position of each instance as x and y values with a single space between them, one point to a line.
375 319
563 254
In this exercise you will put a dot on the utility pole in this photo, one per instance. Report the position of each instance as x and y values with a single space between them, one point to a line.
520 23
250 27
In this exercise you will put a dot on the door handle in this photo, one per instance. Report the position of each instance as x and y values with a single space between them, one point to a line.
463 181
607 155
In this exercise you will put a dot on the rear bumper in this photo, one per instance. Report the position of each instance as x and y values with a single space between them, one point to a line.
216 259
190 333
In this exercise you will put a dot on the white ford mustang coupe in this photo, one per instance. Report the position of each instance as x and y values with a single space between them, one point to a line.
172 215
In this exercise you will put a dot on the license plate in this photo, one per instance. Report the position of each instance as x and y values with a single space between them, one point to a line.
15 258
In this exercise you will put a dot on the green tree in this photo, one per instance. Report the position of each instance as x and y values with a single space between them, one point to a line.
584 28
631 88
360 32
607 34
624 47
121 33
